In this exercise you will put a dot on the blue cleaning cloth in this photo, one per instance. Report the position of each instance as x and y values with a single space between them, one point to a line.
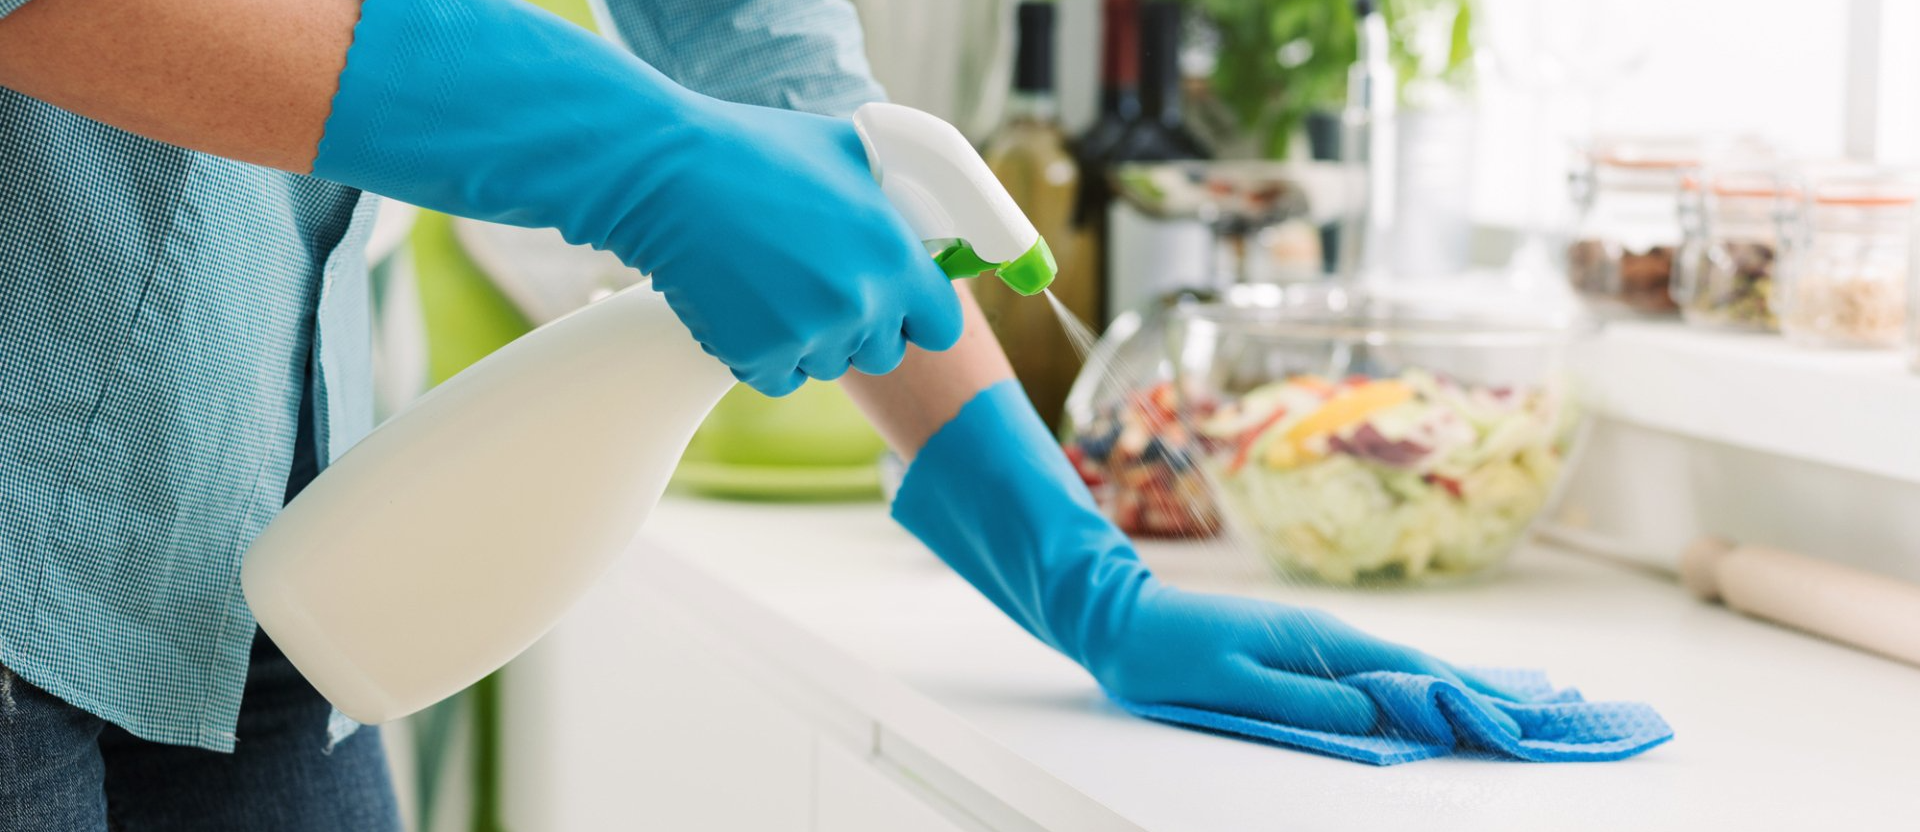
1428 717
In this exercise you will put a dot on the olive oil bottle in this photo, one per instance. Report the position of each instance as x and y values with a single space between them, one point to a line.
1030 155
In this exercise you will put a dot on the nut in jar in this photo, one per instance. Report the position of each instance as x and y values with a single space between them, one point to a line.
1845 275
1627 192
1725 274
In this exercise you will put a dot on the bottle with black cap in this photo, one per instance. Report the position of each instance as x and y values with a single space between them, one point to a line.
1160 134
1029 154
1119 104
1119 109
1146 258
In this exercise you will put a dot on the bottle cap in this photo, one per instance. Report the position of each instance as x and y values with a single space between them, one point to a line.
1120 52
1033 62
1160 57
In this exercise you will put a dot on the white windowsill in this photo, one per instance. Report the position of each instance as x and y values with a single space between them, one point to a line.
1857 411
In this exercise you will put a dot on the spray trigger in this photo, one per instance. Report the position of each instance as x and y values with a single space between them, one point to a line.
948 196
1027 274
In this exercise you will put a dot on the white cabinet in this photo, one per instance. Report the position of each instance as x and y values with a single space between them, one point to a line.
636 714
631 724
853 794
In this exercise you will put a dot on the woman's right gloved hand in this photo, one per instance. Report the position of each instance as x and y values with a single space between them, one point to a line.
764 228
993 496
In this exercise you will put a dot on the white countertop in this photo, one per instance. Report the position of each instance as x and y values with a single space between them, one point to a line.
1774 729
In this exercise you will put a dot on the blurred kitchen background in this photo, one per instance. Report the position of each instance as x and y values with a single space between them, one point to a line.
1701 209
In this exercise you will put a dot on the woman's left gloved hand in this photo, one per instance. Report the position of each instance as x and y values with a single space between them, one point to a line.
993 496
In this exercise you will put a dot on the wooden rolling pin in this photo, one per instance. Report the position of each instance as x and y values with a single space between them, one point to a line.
1850 606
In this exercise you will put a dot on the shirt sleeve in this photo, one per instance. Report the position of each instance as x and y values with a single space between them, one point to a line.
804 55
8 7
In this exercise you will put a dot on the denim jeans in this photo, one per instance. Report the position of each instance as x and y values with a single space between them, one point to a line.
65 770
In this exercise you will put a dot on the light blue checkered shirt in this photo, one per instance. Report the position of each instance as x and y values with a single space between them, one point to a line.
162 315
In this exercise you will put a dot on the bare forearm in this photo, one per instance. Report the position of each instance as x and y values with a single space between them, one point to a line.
251 80
910 404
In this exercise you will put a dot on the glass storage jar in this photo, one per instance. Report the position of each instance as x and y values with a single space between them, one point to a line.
1724 277
1627 195
1913 294
1844 277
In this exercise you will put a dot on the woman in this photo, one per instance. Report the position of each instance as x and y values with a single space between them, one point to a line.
183 345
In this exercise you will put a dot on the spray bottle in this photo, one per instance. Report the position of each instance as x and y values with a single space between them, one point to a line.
457 533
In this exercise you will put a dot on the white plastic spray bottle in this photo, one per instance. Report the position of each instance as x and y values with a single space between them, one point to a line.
456 534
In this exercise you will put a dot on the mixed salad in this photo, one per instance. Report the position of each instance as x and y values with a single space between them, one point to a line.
1380 480
1140 463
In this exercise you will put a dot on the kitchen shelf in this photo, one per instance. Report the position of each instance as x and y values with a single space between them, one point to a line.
1851 410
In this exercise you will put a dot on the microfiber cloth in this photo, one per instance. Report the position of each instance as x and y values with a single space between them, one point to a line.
1424 717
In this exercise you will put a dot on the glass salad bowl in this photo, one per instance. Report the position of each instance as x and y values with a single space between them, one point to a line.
1357 438
1124 434
1120 428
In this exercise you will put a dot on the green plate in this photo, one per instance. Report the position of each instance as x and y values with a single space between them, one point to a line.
778 482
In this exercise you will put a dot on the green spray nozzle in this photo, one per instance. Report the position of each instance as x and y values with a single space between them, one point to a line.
1028 274
950 198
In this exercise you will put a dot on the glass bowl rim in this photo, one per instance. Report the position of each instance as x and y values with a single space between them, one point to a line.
1325 312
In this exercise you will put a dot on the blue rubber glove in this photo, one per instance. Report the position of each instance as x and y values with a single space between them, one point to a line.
993 496
763 227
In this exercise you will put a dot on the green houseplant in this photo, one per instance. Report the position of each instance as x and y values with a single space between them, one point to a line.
1280 60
